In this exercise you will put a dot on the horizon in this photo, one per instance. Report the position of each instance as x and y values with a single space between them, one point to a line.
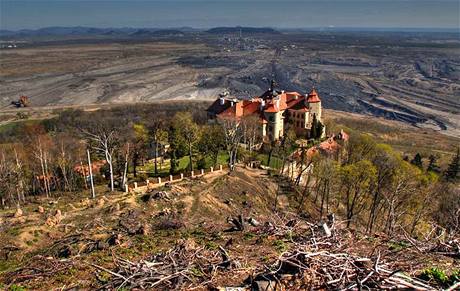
306 29
330 14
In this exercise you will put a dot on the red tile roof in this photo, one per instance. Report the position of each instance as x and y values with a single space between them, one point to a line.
274 102
313 97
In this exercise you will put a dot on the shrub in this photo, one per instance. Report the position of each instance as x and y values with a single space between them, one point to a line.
435 274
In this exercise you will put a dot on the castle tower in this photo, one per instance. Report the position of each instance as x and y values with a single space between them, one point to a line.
314 104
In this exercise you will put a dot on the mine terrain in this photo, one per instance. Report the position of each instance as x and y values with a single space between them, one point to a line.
414 78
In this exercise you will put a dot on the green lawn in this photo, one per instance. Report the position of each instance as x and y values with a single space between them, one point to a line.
275 162
222 159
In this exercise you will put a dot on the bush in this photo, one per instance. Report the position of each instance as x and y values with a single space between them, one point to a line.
440 277
169 222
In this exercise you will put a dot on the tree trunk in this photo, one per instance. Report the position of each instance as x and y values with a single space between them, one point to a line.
93 194
190 156
83 174
135 159
156 159
125 172
269 157
43 174
108 157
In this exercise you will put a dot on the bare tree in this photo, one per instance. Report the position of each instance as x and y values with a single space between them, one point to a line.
397 197
233 136
126 150
251 131
41 151
157 135
104 140
6 178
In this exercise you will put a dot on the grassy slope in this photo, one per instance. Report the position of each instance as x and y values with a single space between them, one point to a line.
401 136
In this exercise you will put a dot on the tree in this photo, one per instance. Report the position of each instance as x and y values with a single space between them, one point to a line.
287 142
252 134
357 179
385 161
138 148
67 153
41 145
417 161
6 178
359 146
211 142
158 135
319 129
432 164
325 174
447 213
398 197
453 170
104 140
314 127
188 129
233 136
176 147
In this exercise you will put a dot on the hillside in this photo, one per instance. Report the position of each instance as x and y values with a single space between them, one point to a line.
88 242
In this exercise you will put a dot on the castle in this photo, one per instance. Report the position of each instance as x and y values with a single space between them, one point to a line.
276 111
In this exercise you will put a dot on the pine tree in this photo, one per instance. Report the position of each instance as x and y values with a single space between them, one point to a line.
417 161
314 127
432 165
453 170
174 163
319 129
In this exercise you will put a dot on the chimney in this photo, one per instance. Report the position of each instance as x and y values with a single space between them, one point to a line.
222 101
262 104
278 103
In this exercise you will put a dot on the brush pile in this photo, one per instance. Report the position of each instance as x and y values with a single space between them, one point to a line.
179 268
318 257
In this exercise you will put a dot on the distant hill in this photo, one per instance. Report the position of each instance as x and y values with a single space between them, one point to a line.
157 33
245 30
92 31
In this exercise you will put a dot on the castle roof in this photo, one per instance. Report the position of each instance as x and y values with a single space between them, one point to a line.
270 101
313 97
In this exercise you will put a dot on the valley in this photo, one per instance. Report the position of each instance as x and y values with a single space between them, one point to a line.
413 78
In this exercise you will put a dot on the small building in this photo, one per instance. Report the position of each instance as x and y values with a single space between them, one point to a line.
275 110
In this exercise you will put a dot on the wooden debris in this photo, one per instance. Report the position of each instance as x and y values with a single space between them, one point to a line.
18 213
238 223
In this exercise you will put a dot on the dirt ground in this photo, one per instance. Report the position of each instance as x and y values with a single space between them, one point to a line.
64 248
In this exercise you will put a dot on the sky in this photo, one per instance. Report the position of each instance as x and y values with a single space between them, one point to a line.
32 14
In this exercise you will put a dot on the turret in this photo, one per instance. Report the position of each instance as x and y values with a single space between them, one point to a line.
314 104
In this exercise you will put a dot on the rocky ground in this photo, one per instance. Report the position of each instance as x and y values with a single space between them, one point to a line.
204 233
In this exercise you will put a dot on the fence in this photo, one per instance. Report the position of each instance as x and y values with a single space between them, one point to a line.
158 181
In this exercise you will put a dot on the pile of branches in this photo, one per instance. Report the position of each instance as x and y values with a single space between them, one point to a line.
337 271
319 258
38 268
178 268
